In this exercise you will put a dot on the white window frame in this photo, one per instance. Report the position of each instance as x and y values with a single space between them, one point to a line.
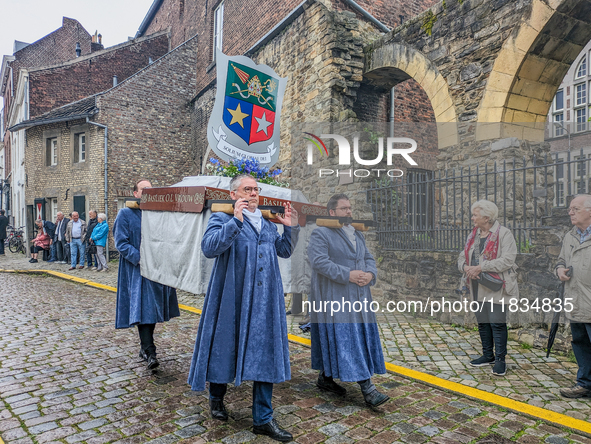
218 28
53 209
582 65
81 147
559 198
558 124
53 151
580 123
581 94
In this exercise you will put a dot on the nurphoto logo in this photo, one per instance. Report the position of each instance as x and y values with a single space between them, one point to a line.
344 155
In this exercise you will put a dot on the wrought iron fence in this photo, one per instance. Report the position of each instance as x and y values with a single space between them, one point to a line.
430 210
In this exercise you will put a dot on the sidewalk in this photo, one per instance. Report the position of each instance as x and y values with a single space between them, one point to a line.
434 349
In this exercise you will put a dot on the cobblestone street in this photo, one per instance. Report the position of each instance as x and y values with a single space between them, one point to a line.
67 375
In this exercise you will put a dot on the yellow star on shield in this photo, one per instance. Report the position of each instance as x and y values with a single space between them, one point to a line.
237 116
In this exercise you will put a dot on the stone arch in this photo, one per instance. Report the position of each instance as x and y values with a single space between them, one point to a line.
530 67
393 63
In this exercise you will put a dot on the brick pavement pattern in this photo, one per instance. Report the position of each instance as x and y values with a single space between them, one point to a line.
66 375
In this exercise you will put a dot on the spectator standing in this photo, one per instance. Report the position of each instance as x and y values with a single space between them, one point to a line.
99 238
3 225
59 238
75 232
88 245
576 253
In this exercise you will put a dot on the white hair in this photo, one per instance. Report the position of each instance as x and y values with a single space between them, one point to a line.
587 201
102 216
487 209
237 180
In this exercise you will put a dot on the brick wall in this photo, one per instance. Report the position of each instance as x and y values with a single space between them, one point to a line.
149 122
57 47
67 178
53 87
245 22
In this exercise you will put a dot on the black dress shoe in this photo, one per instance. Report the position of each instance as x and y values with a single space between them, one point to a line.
152 362
218 410
143 355
375 398
329 385
273 431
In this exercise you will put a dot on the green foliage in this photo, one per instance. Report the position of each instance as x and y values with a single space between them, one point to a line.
373 136
525 246
526 346
571 356
428 22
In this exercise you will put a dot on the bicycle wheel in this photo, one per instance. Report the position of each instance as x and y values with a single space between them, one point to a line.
13 245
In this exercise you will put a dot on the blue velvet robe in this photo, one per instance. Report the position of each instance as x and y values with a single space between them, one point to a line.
242 333
346 345
139 300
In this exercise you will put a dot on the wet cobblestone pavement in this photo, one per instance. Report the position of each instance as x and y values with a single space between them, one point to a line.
66 375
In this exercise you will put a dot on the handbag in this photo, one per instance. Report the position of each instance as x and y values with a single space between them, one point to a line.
492 283
91 249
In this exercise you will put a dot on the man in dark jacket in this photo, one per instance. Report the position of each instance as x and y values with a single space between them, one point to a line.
88 242
3 225
60 238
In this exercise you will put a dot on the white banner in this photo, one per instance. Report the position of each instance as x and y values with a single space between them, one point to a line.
224 146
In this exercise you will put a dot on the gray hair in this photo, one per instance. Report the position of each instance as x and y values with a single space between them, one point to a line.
102 216
236 180
587 201
487 209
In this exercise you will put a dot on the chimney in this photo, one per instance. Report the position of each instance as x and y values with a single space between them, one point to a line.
100 39
114 80
78 50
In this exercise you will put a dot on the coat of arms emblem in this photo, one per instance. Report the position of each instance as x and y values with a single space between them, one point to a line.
246 114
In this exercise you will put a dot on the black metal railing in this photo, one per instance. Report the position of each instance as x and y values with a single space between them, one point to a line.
430 210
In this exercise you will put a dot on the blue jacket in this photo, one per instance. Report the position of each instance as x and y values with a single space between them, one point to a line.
242 334
139 300
346 345
100 233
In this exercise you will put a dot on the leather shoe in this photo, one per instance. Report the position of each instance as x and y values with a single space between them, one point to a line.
329 385
273 431
80 267
218 410
143 355
152 362
375 398
577 391
71 268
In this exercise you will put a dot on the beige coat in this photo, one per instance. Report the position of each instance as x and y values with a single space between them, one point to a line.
578 288
504 265
69 230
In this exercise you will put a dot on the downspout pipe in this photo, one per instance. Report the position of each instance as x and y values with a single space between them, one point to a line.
106 177
392 104
367 15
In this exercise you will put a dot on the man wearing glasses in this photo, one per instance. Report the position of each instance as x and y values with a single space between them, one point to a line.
346 341
243 333
576 252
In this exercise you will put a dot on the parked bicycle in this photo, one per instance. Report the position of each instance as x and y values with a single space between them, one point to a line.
16 240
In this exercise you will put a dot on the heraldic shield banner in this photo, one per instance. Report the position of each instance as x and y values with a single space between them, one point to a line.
245 119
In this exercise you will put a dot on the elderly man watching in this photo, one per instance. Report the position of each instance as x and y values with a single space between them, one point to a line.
75 233
576 253
60 237
243 331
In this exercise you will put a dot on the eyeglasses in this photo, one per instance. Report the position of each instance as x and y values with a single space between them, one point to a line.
575 209
249 190
344 208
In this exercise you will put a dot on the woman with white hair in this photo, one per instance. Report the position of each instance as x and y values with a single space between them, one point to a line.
488 265
99 237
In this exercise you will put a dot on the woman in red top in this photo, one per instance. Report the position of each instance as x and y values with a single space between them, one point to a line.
41 242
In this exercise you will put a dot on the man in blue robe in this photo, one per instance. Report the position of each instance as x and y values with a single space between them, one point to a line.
345 338
140 301
242 334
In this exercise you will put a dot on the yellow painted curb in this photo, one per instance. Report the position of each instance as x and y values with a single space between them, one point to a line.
517 406
299 340
191 309
463 390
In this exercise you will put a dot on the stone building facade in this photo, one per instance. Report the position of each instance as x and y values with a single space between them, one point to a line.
148 121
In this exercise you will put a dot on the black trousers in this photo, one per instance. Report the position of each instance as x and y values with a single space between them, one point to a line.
1 246
492 327
60 250
146 332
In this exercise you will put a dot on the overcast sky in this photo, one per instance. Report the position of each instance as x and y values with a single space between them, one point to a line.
30 20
